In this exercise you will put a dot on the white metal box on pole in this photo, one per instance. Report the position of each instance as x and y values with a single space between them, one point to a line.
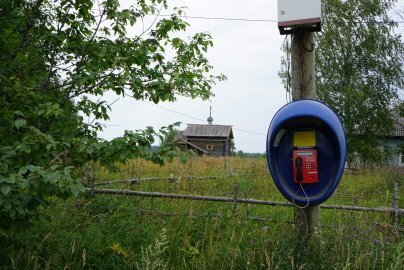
299 14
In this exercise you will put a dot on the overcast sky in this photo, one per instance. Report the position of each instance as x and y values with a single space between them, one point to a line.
248 53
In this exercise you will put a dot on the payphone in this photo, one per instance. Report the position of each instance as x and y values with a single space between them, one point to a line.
306 151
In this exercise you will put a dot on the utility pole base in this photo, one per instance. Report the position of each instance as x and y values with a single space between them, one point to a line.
307 221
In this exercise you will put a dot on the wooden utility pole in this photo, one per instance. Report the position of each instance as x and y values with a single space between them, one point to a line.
303 68
307 220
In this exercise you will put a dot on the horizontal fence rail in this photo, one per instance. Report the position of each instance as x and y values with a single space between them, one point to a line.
138 180
212 215
396 211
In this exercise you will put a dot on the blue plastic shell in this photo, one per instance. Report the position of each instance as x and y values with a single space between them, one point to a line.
330 144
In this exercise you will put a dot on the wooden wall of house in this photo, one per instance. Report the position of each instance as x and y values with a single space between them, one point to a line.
220 145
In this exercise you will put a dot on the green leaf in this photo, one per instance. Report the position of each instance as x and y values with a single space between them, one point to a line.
51 177
20 123
81 188
19 113
24 184
20 210
75 190
5 189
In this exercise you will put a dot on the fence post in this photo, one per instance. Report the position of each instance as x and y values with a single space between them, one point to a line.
395 206
225 165
132 171
235 191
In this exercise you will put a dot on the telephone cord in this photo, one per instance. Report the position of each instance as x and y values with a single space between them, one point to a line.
305 194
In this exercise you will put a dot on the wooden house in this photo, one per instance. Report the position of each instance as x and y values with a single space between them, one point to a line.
396 140
206 140
393 141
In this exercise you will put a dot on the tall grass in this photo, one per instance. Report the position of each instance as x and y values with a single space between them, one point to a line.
119 232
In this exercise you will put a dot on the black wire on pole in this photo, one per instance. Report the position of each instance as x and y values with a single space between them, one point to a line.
218 18
202 120
272 20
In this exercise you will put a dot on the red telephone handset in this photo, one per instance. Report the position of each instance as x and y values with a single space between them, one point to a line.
305 166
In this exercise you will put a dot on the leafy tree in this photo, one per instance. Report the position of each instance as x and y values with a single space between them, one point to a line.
359 71
232 148
401 109
58 60
240 153
169 137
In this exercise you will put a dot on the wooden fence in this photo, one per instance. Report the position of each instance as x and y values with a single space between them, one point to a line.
395 211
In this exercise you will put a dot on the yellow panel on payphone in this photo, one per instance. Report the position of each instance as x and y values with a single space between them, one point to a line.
304 139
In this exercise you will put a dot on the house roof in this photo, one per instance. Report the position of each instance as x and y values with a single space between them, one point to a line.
398 130
194 130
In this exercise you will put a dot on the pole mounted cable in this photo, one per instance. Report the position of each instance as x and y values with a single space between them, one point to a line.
199 119
272 20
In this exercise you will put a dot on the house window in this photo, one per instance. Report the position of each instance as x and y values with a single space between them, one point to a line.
209 147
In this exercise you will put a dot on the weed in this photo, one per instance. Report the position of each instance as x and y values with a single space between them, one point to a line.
398 258
152 257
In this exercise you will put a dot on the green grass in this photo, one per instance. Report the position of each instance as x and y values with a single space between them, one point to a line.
122 232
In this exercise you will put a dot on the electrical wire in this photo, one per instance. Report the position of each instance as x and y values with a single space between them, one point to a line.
252 132
199 119
272 20
169 110
220 18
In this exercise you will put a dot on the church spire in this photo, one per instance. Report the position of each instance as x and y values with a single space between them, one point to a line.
210 119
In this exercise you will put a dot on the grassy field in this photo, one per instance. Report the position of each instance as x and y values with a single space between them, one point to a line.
122 232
